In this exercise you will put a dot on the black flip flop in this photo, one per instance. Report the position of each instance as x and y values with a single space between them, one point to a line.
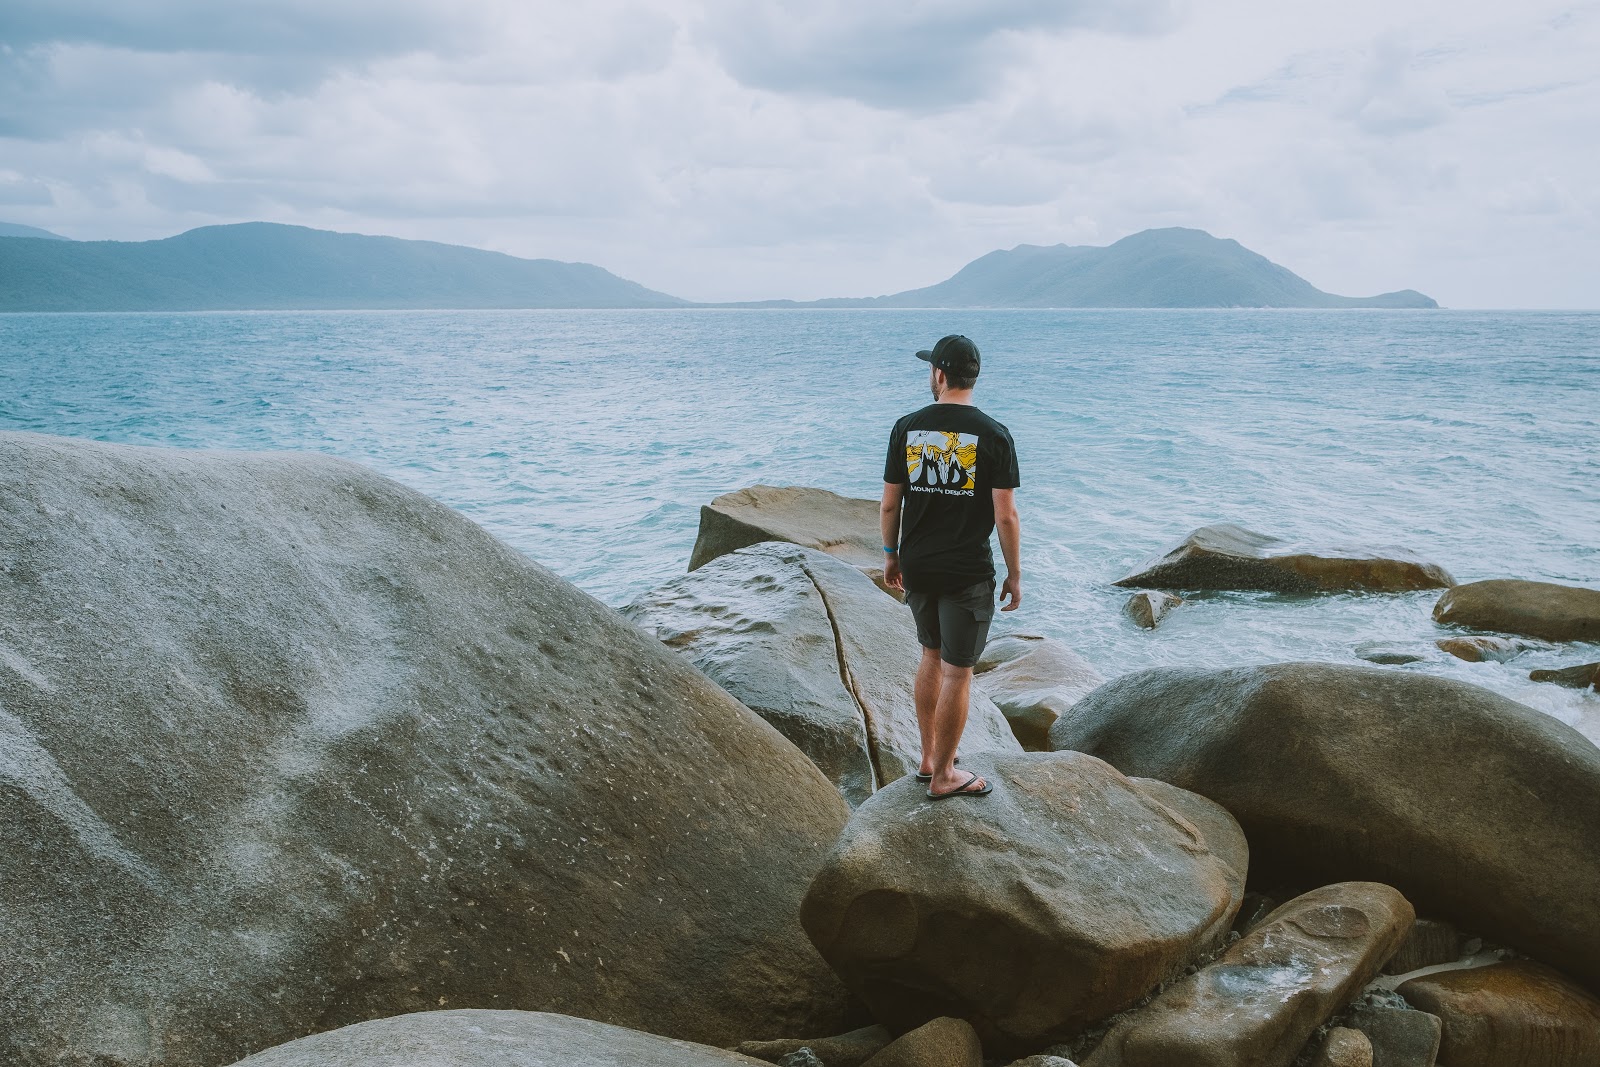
928 777
963 791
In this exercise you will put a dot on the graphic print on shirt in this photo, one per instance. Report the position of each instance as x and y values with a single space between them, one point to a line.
941 462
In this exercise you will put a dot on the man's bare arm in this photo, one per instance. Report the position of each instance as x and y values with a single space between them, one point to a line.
889 526
1009 526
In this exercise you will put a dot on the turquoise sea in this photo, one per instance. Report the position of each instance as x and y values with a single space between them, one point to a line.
589 440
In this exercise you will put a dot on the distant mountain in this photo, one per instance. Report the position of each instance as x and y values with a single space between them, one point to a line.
1171 268
17 229
259 265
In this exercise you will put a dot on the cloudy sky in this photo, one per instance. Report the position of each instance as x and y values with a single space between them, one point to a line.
722 150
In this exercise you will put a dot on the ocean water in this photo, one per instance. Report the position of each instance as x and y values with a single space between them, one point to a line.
589 440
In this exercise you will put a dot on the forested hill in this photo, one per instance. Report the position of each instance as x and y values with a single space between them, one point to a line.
1169 268
259 265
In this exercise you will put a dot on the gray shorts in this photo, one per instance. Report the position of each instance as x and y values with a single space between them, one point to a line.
956 623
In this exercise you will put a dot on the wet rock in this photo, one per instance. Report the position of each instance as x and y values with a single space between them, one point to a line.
1482 649
1481 810
845 1050
1584 676
1062 897
1260 1001
1530 609
289 746
1343 1047
1038 679
844 527
1400 1037
481 1038
939 1043
1230 557
1147 608
1429 943
1519 1012
1389 654
808 644
801 1057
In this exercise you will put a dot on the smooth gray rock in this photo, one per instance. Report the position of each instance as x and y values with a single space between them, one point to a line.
486 1038
1226 556
1033 680
1389 654
1400 1037
810 645
1481 810
1530 609
1260 1001
1062 897
844 527
845 1050
287 746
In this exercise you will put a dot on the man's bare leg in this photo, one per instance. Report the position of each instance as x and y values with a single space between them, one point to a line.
949 720
925 693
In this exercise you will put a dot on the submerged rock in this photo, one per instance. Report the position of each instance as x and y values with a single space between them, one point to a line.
1260 1001
1481 810
1147 608
1062 897
1510 1013
1230 557
1483 649
844 527
1583 676
1530 609
1389 654
289 746
480 1038
1033 680
806 642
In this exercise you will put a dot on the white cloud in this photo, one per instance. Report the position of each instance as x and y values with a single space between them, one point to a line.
728 151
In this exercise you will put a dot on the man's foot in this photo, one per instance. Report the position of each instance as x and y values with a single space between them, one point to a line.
974 786
927 775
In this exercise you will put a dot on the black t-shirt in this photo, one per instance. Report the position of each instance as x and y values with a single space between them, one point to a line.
949 457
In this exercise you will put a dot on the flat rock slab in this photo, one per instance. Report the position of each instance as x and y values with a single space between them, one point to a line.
842 526
1481 810
289 746
1529 609
1225 556
1062 897
485 1038
1510 1013
1147 608
940 1043
844 1050
1260 1001
1033 680
1389 654
1583 676
810 645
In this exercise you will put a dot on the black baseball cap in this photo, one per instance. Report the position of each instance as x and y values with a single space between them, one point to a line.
954 354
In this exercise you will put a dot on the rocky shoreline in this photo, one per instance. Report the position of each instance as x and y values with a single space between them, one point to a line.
305 768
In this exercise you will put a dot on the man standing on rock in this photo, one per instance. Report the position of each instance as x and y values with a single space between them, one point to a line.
947 485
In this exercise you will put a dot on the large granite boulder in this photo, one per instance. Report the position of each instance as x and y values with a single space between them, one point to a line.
1033 680
1062 897
289 746
484 1038
1481 810
1259 1002
1529 609
844 527
1230 557
1506 1014
810 645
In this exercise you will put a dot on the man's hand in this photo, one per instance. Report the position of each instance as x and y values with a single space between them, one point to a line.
1012 588
891 573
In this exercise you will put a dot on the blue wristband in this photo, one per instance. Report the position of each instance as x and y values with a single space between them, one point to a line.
891 551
